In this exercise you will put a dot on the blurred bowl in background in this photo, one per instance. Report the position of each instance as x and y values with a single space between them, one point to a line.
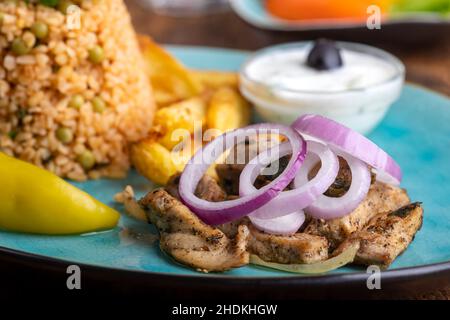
427 13
186 8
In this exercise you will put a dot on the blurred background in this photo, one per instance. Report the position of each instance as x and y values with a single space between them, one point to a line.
417 31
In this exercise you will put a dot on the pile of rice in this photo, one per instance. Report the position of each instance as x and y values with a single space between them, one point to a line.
36 87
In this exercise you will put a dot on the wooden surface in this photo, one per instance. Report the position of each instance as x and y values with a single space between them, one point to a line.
425 50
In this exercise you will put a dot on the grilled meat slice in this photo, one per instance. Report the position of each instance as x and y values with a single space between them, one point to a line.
343 180
229 176
231 228
235 162
381 198
386 236
230 171
190 241
298 248
207 188
173 184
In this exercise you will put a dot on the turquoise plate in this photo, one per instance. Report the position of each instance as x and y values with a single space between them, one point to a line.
416 132
255 13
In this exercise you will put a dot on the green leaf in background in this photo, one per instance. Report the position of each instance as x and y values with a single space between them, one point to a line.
409 6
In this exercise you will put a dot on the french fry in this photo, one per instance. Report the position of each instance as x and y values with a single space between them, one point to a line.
158 164
170 80
188 100
227 110
180 118
153 161
183 153
215 79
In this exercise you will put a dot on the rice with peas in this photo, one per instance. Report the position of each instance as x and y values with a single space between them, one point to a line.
72 96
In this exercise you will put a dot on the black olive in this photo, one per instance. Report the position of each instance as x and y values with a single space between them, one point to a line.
324 55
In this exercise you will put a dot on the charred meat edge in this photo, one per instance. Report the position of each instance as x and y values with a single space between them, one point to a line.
386 235
189 240
380 198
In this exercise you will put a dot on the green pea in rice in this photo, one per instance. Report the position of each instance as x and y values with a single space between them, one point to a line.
37 88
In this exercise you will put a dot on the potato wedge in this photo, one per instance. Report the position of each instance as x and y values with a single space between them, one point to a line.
153 161
215 79
170 80
227 110
180 119
189 101
158 164
183 152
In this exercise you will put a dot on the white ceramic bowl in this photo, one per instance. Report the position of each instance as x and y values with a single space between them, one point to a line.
360 109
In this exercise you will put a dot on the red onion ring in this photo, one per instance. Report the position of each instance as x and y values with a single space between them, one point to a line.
302 196
221 212
351 142
331 208
285 225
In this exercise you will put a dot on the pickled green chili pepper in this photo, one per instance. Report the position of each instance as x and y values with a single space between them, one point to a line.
34 200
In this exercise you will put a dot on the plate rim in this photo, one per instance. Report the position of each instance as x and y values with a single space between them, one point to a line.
434 270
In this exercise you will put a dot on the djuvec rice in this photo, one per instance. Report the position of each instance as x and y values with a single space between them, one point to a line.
72 100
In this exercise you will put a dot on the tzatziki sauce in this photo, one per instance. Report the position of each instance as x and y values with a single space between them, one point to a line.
287 70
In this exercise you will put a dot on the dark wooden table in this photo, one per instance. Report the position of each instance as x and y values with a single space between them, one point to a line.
425 50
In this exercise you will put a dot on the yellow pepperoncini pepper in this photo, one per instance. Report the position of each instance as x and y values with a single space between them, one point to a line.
36 201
